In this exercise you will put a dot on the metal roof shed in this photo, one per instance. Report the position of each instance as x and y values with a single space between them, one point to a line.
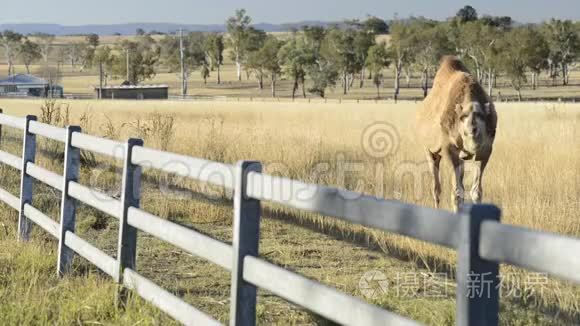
29 85
135 92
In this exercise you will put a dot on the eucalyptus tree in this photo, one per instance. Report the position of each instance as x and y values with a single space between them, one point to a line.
29 52
477 42
323 74
314 37
11 42
214 48
252 59
516 48
537 53
137 60
466 14
375 25
194 55
339 49
564 44
46 43
377 60
321 71
429 43
400 51
78 54
295 56
363 41
269 54
237 27
251 45
104 60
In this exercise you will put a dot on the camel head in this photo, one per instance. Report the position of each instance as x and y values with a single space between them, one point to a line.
472 126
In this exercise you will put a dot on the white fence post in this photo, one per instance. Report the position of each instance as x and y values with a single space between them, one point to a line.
68 205
26 181
130 193
246 239
477 279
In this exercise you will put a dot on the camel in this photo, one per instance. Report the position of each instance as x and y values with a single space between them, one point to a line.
457 121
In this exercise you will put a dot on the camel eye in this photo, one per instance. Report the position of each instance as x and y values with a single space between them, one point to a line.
463 117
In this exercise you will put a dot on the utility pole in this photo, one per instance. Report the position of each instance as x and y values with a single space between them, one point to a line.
127 51
100 80
181 62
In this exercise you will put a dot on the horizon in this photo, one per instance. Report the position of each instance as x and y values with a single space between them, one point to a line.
263 12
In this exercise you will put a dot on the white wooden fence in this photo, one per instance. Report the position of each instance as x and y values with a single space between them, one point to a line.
481 241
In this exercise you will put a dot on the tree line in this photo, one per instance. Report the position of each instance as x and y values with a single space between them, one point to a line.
315 59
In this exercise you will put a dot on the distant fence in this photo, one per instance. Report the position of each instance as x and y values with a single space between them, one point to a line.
384 99
481 241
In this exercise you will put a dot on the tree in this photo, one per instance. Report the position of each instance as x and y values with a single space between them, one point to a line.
564 46
45 41
29 52
214 47
295 56
320 69
252 43
400 51
467 14
501 22
269 54
88 50
140 32
11 43
61 55
254 64
314 36
193 53
253 59
104 60
375 26
136 60
477 42
92 40
515 49
363 40
537 53
237 27
429 42
323 75
376 61
339 49
78 53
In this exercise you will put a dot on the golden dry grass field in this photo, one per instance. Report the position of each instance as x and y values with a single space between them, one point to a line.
533 175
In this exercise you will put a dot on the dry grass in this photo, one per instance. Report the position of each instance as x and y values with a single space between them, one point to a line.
533 174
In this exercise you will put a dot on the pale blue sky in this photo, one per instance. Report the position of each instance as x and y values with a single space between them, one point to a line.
80 12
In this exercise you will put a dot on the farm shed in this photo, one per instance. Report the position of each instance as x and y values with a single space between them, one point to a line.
135 92
28 85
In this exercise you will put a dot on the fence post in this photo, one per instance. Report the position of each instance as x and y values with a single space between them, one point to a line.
1 112
26 181
246 239
127 244
477 279
72 162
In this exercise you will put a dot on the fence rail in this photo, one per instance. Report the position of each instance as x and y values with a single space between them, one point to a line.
476 233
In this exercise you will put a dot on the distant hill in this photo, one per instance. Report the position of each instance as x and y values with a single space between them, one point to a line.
129 29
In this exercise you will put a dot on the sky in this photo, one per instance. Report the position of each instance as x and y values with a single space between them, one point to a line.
81 12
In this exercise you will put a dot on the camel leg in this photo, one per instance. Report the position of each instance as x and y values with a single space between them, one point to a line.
434 162
476 189
458 190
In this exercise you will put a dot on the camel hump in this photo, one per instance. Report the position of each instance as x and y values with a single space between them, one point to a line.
452 64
